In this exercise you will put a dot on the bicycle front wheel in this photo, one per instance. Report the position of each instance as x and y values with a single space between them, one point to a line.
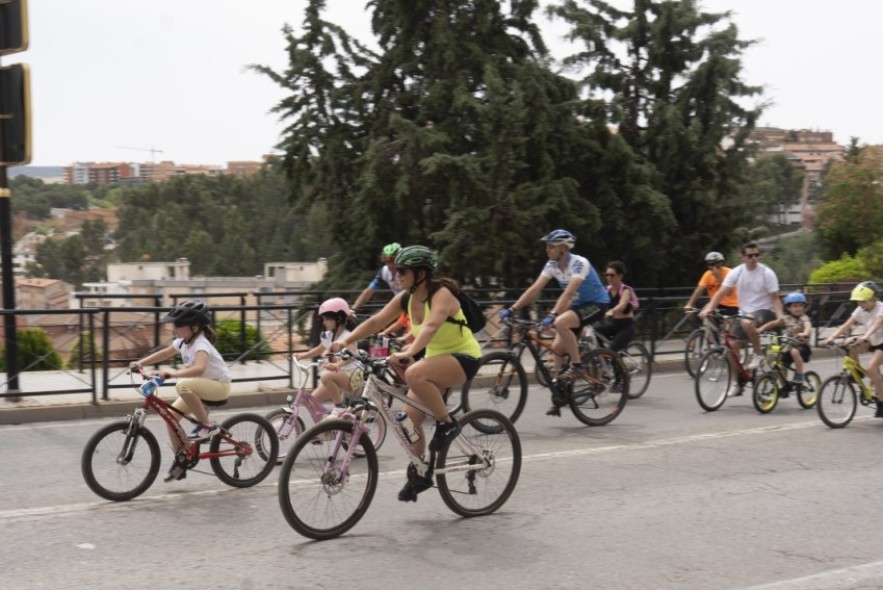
322 492
500 384
808 391
712 379
281 420
119 464
837 401
598 395
477 471
697 345
245 452
639 366
766 394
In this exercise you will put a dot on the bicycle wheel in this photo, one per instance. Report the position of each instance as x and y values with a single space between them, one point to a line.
477 471
766 394
453 399
837 401
697 345
712 379
636 359
119 465
808 392
500 384
247 449
286 432
321 494
376 425
599 394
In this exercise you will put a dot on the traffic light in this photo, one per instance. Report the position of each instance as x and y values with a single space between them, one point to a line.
13 26
15 115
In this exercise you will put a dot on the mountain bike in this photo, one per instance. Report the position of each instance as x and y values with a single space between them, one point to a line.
596 396
323 492
774 384
288 421
706 336
121 460
838 398
714 374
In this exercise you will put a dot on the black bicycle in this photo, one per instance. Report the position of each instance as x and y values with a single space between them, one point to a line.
596 395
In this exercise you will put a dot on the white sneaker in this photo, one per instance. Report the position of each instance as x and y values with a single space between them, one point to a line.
754 363
336 413
735 390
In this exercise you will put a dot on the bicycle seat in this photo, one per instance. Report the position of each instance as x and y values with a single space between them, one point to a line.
215 404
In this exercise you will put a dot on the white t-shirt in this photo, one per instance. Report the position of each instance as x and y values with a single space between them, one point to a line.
216 369
755 287
866 320
327 337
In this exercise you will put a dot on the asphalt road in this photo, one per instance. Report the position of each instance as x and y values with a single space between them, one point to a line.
665 497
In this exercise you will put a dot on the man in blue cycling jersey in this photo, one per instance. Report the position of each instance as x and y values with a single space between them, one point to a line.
386 275
583 301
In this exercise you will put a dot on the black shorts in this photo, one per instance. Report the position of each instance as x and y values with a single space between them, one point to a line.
590 312
805 354
727 311
468 363
761 316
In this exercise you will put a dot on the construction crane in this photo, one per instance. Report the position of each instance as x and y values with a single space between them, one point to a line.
153 151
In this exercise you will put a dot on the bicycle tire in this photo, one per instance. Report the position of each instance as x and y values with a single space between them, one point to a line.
712 379
546 359
697 345
499 384
837 401
453 400
639 365
277 419
808 392
314 499
765 394
253 445
376 424
111 478
600 399
484 491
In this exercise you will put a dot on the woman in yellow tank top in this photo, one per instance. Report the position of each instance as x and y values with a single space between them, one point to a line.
451 350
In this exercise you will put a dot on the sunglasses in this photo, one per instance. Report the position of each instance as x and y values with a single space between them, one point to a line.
714 264
752 255
402 270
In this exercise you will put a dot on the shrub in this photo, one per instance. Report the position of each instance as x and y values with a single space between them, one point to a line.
35 352
229 341
845 270
92 353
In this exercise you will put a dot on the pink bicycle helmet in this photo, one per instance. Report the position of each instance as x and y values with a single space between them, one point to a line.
335 305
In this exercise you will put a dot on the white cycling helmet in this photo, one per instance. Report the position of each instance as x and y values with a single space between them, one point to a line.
714 257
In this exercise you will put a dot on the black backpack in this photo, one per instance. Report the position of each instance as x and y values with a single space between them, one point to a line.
475 319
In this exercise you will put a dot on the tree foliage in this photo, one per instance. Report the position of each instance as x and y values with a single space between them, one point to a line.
851 215
35 351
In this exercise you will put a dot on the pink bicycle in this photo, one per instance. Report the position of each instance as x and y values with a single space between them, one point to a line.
288 421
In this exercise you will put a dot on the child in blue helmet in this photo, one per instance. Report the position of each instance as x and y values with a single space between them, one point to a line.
797 325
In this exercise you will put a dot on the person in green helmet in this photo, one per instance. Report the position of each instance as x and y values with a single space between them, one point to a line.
451 349
386 275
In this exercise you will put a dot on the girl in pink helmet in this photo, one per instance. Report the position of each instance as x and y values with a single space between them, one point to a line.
336 375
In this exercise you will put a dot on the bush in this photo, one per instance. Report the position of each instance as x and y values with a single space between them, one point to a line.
845 270
92 353
229 341
35 352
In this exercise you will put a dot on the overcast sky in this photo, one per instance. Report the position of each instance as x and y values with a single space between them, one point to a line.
170 74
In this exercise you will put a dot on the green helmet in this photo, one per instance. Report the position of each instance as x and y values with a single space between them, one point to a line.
391 250
417 257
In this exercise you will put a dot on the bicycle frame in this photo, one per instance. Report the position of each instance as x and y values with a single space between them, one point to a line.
857 373
729 337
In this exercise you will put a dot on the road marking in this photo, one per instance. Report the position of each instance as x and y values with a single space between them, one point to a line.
70 509
843 578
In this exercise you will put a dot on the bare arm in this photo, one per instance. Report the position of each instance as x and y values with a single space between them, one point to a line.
697 292
715 301
531 294
372 325
363 298
159 356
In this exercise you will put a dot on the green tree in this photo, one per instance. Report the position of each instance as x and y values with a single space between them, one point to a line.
34 352
674 75
773 184
229 342
851 215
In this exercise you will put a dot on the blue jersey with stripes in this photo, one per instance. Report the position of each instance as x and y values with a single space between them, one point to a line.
590 290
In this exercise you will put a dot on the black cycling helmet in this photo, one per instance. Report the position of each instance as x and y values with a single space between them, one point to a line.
189 313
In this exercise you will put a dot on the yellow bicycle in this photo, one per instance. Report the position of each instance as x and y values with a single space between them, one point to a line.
775 385
838 398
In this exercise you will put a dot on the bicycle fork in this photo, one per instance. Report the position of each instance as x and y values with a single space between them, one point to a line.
136 421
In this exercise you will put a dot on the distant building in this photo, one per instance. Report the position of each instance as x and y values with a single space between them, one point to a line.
42 294
128 172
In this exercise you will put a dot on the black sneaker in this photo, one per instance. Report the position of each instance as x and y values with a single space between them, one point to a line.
176 473
879 413
415 484
445 432
555 410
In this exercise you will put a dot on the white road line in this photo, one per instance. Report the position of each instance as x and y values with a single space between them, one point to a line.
856 576
70 509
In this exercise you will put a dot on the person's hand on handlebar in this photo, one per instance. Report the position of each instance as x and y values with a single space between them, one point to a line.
401 359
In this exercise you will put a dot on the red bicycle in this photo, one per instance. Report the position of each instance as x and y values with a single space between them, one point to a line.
714 374
121 461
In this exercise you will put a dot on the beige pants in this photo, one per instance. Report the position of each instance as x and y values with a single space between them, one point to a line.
206 389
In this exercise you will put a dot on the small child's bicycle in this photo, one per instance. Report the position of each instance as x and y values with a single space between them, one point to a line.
775 385
838 398
121 460
288 421
323 492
